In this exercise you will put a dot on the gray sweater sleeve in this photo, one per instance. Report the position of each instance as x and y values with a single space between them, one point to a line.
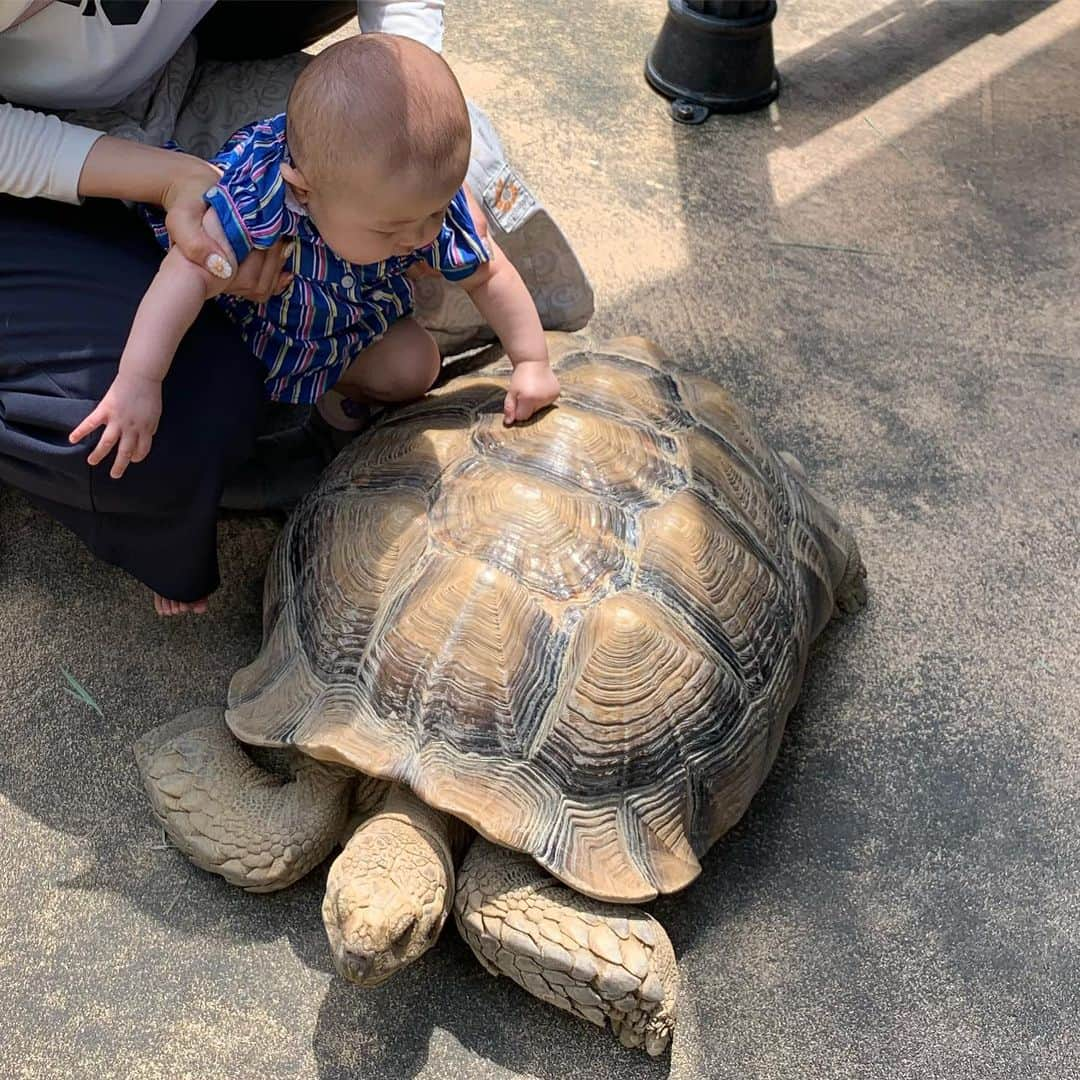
41 155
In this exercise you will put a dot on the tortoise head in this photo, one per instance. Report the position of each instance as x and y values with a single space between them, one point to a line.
388 893
375 928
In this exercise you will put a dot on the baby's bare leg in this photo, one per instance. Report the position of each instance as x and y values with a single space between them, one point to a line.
400 366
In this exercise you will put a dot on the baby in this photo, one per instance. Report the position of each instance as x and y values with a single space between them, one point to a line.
364 172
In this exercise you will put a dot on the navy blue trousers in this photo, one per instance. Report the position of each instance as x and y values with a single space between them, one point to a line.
71 278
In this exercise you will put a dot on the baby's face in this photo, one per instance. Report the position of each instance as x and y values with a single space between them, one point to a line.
368 222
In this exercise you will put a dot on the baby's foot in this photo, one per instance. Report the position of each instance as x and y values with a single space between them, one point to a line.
164 606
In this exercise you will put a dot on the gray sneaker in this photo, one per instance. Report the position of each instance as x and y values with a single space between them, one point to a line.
530 239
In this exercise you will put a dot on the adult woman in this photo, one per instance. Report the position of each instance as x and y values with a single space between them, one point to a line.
71 275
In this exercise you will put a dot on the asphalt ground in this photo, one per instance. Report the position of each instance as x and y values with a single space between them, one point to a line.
884 268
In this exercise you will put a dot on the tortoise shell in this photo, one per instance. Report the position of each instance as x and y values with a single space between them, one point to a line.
581 635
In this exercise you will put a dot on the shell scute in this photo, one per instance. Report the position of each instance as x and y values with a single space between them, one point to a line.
623 387
695 560
636 678
551 538
408 452
356 547
751 504
590 451
729 421
467 661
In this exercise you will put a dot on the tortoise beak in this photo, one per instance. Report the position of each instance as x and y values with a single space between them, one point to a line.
368 951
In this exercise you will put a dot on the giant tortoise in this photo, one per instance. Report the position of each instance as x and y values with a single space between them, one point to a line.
578 638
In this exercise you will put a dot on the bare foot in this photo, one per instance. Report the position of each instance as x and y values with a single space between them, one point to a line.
177 607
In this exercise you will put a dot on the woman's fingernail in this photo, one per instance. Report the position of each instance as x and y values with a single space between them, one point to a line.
218 266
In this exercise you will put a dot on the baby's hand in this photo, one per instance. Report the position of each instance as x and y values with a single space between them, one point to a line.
532 386
129 412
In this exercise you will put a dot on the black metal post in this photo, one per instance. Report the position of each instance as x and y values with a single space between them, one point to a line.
715 56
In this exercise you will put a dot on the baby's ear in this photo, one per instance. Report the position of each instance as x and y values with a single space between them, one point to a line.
300 188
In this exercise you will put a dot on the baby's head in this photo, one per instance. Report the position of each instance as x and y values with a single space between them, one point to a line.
379 138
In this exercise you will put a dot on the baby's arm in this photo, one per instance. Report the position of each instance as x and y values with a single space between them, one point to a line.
131 407
501 297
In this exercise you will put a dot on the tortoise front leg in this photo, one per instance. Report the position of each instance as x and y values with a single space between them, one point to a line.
602 962
257 829
390 889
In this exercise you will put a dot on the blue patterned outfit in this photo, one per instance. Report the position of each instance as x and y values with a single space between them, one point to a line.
309 334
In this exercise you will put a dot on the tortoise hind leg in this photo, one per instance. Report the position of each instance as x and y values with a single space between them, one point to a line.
602 962
258 829
838 544
849 592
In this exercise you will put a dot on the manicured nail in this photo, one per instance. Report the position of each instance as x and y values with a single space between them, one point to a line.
218 266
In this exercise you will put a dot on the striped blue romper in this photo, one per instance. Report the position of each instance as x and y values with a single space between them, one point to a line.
308 335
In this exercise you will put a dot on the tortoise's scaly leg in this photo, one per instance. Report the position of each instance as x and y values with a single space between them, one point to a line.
846 570
257 829
850 590
390 889
603 962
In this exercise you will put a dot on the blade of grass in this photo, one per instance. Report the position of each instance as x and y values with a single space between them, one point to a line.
80 692
71 693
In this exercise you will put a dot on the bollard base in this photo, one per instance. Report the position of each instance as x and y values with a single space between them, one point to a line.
717 62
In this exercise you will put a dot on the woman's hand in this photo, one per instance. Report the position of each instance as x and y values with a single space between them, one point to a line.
122 169
129 412
262 274
258 277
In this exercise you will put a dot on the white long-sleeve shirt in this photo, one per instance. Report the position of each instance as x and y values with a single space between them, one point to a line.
69 54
